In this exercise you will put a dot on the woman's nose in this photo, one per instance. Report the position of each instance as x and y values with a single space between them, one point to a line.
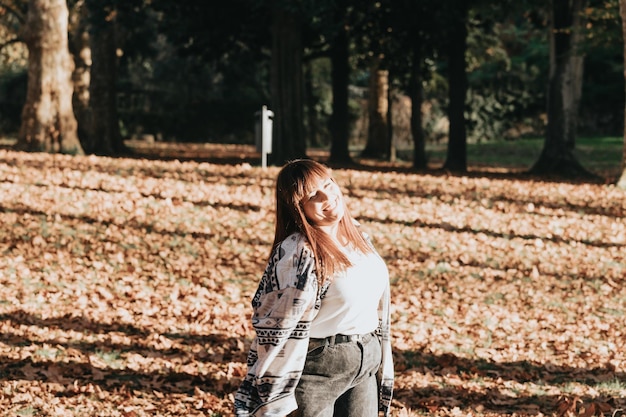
324 195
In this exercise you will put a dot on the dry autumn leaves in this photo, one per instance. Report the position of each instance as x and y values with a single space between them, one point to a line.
125 287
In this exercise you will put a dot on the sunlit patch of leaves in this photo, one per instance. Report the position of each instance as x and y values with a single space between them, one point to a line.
125 287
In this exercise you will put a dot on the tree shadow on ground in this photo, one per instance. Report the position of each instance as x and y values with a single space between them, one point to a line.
467 387
145 227
614 210
467 229
63 360
137 337
469 377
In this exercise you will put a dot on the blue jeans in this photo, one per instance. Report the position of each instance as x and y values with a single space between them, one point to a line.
339 379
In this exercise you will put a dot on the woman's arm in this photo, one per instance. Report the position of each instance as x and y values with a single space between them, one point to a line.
284 306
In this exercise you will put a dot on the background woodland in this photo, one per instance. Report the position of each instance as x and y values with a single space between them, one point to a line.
381 79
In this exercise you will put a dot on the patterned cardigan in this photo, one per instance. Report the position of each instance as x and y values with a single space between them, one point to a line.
284 305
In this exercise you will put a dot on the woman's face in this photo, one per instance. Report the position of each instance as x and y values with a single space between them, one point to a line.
323 205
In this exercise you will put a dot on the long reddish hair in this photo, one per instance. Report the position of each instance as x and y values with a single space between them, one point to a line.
295 181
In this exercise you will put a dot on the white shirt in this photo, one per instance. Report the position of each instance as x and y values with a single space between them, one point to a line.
350 305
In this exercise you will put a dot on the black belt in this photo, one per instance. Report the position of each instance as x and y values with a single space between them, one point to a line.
338 338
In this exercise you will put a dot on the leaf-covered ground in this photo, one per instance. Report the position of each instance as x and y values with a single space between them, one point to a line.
125 287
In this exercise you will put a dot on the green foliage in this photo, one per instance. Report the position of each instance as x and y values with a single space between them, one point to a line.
507 72
602 27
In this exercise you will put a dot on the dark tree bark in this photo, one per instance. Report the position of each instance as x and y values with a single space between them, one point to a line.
81 52
311 114
287 88
622 11
456 158
104 137
564 86
378 141
391 146
48 122
416 93
340 74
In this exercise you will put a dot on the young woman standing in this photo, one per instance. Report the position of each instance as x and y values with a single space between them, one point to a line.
321 311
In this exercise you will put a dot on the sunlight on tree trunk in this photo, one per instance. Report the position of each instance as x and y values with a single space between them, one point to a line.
48 122
622 11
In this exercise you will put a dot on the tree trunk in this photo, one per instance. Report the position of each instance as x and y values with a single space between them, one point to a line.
81 77
416 94
311 113
378 107
557 157
286 87
105 137
391 145
622 11
48 122
340 74
456 159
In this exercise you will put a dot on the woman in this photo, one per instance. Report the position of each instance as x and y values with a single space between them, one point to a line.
321 311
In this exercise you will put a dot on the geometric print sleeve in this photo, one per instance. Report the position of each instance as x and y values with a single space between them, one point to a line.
284 305
385 375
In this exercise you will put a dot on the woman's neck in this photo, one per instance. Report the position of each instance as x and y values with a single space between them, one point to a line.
336 234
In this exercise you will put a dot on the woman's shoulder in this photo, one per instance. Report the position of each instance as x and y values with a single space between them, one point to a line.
292 263
294 244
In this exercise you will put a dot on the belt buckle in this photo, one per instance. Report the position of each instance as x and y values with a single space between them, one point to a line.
345 338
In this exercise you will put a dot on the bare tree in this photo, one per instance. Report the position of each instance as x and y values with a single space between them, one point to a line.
48 122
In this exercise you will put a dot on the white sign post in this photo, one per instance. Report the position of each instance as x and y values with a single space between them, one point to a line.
263 133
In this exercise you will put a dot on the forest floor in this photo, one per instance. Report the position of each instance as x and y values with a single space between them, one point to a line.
125 285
